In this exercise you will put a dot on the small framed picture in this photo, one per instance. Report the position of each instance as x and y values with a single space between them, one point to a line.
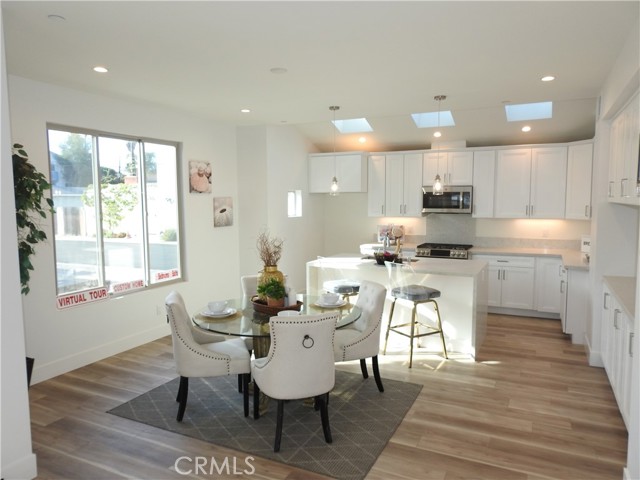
199 177
222 211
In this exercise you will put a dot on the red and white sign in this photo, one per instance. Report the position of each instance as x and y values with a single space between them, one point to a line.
82 298
167 275
126 286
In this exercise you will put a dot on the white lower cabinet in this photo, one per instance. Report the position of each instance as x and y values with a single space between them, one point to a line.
617 349
511 281
549 284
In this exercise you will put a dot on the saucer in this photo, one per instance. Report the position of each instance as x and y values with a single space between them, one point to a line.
224 313
339 303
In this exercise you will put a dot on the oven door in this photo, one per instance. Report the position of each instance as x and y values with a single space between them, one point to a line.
454 199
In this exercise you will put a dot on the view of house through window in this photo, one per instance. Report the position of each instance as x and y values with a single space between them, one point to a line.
116 223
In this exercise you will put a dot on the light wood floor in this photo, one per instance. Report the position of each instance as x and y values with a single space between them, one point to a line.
529 408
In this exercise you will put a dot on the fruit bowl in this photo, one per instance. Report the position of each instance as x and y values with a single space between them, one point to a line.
382 257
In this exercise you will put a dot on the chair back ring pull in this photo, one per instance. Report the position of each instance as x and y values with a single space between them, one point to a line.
307 342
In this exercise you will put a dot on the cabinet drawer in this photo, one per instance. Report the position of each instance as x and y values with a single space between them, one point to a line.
506 261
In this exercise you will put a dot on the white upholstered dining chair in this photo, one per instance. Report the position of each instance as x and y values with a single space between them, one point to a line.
299 365
199 354
361 339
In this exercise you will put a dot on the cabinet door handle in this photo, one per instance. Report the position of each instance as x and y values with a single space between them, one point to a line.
615 318
586 211
527 210
610 189
631 334
498 274
561 286
560 270
605 301
531 210
504 275
622 189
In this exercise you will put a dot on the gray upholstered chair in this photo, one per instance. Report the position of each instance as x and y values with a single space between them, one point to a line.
416 294
299 365
361 339
198 354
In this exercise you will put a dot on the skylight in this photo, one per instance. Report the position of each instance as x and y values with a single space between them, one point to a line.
430 119
353 125
529 111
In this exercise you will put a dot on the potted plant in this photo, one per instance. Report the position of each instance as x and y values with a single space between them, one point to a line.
270 251
273 290
29 187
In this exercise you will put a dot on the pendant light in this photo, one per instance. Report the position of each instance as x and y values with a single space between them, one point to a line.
437 182
334 190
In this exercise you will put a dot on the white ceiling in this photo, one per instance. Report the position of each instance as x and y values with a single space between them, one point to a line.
380 60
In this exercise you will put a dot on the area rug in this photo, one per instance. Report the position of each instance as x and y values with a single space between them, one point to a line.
362 421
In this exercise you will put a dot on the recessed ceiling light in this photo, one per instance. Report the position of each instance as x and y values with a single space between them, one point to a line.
548 78
245 110
526 128
100 69
362 140
437 134
278 70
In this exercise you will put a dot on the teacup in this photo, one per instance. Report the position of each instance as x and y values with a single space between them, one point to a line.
288 313
218 306
329 298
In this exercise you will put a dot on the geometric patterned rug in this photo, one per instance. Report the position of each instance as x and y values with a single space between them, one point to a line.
361 418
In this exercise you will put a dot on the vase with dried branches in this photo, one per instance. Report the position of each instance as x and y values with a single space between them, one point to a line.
270 251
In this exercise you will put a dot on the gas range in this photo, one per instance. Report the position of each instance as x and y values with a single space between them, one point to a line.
443 250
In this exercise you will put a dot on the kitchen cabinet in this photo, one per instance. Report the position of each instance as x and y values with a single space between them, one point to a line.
550 284
616 345
403 191
576 311
376 180
511 281
350 169
531 182
624 136
484 166
454 168
579 167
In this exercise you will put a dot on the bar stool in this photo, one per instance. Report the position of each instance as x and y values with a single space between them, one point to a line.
417 294
345 288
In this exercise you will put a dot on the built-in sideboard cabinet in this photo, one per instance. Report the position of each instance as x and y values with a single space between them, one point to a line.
542 181
617 338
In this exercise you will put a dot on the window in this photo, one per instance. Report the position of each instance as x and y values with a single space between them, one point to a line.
116 224
294 203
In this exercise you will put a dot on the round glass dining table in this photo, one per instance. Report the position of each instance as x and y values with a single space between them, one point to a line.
243 321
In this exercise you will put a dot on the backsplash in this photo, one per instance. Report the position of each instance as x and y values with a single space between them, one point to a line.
491 242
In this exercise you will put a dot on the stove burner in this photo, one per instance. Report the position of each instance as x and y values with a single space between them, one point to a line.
443 250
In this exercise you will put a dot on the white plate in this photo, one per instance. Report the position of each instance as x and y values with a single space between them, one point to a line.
320 303
225 313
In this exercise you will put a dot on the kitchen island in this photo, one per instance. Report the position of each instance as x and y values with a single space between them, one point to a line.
463 303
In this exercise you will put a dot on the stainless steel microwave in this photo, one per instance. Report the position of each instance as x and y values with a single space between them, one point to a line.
453 199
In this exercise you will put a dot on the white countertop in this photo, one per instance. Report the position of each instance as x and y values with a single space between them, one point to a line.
436 266
570 258
624 289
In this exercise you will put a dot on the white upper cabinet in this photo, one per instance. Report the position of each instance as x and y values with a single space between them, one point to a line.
484 167
350 169
531 183
623 156
579 166
454 168
376 197
403 185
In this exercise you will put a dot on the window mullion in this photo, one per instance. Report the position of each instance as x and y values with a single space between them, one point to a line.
98 210
142 170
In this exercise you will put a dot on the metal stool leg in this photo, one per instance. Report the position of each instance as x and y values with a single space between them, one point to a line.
411 336
386 338
444 346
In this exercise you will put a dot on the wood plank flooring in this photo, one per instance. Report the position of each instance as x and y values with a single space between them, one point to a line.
529 408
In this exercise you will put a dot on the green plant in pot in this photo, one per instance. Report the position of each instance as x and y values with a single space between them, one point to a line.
274 291
29 187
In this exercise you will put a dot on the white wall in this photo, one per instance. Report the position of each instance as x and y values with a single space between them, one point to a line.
18 460
61 340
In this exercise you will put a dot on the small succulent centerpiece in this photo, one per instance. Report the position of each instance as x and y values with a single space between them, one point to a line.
273 290
270 252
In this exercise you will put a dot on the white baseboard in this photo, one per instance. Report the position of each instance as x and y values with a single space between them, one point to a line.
24 468
80 359
593 356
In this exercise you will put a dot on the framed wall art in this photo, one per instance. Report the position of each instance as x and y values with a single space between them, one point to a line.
222 211
199 177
